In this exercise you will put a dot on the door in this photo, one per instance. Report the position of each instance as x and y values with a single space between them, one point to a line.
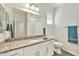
19 29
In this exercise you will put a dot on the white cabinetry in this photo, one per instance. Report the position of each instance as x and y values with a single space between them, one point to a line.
33 50
49 48
41 49
29 51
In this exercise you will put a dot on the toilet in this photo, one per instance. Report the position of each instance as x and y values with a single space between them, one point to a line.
58 46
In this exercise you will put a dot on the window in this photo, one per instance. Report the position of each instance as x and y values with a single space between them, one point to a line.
50 18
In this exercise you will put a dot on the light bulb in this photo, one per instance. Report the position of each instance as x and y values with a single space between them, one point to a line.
37 9
33 7
27 5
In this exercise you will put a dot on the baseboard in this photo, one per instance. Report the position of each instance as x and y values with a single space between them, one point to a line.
75 54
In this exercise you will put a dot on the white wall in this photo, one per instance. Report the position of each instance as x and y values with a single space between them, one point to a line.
66 15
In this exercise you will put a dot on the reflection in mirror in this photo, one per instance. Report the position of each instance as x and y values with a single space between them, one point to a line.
9 27
1 26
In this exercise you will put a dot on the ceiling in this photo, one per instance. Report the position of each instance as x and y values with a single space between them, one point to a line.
44 7
52 5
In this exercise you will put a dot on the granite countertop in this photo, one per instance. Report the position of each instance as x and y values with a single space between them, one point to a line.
17 44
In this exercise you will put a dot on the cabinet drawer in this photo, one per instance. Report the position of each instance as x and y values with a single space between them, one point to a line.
18 52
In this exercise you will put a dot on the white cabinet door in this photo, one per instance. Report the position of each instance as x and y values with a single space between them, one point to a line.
43 51
18 52
49 48
33 50
30 51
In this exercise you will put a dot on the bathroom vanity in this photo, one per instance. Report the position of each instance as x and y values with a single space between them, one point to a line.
27 47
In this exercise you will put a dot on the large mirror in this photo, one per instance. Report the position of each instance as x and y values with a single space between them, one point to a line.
19 23
9 26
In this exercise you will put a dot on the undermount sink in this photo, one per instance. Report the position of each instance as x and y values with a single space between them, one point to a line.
35 40
45 38
49 37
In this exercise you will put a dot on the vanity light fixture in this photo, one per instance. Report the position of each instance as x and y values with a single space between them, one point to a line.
31 7
27 5
30 11
37 9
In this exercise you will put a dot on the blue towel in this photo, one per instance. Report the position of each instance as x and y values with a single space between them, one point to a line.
72 34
